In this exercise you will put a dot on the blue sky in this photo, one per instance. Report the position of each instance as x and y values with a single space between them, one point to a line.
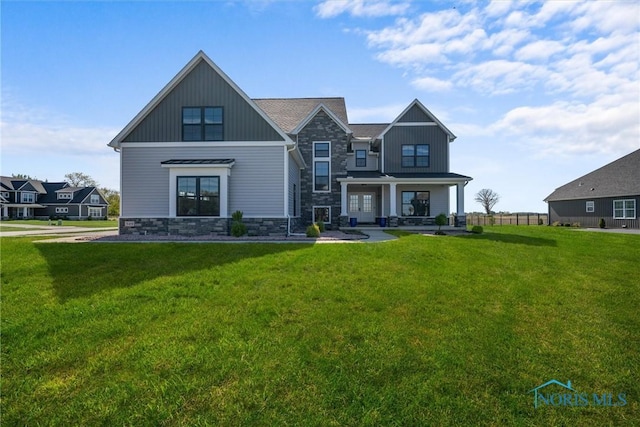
538 93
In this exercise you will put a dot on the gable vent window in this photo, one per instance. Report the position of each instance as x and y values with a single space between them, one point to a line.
202 124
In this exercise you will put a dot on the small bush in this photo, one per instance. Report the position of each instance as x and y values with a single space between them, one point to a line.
556 224
602 224
238 229
320 225
576 225
492 220
313 231
477 229
540 221
237 216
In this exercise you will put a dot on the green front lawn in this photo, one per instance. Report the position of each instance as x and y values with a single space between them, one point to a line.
419 331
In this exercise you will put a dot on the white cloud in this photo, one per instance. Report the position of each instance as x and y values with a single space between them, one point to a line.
27 130
431 84
540 50
564 128
360 8
500 76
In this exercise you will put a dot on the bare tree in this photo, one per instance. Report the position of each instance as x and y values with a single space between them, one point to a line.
79 179
487 198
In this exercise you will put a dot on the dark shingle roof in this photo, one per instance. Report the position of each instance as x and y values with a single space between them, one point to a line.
367 130
51 196
198 162
376 174
287 113
619 178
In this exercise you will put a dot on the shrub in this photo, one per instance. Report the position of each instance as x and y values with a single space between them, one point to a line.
320 225
576 225
477 229
602 224
237 216
492 220
556 224
238 229
540 221
313 231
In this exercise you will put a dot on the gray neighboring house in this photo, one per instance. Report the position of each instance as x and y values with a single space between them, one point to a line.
30 198
202 149
611 192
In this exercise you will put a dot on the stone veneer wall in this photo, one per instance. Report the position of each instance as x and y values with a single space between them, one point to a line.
204 226
322 128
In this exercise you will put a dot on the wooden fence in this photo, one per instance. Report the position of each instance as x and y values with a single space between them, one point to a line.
508 219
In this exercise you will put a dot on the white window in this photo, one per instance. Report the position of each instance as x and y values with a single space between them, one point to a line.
62 210
322 167
591 206
95 199
62 196
624 209
28 198
322 214
94 212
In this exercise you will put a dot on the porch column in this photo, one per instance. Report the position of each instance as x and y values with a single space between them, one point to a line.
461 219
343 199
393 210
460 198
25 212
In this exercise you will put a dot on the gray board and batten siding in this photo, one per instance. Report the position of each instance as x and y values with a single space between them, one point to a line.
203 87
398 136
414 115
256 181
574 211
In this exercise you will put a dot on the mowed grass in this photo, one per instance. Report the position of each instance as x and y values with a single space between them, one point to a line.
97 223
423 330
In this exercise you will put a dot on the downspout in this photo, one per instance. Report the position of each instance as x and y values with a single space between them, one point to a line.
289 233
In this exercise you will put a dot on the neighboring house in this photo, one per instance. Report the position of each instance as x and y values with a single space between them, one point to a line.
611 192
30 198
202 149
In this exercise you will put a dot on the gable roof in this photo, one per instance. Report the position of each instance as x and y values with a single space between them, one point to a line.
173 83
416 103
618 178
288 113
312 114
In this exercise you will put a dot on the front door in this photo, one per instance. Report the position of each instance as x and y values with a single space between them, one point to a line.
362 207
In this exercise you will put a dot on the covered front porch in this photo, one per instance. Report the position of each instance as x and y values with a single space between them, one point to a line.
400 202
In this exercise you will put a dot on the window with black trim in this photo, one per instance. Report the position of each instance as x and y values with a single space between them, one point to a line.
322 214
361 158
415 155
198 196
415 203
202 124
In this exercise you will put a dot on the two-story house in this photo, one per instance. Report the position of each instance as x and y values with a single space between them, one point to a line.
31 198
202 149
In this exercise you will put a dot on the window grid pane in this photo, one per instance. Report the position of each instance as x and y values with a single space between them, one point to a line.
321 149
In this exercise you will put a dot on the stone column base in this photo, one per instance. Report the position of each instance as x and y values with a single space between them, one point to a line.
343 221
393 221
460 221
